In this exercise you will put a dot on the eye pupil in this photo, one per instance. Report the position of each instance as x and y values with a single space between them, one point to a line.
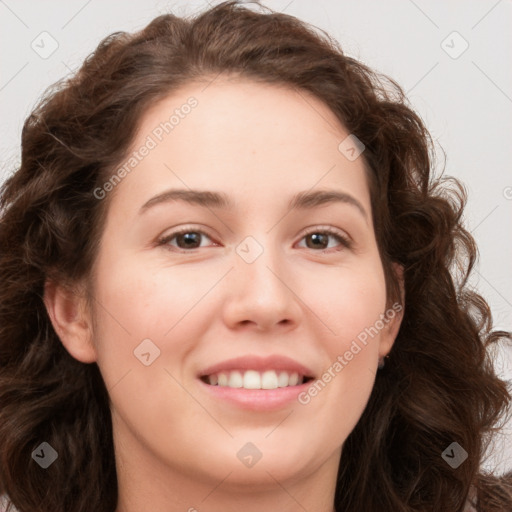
189 238
319 239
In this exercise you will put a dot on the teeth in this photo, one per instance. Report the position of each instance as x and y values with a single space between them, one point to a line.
269 380
235 380
252 379
283 379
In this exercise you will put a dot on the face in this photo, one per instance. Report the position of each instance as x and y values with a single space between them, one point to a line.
272 279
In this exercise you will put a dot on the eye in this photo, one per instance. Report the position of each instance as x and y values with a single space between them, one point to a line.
186 238
319 239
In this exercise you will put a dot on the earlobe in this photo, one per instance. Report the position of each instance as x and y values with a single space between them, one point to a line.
71 321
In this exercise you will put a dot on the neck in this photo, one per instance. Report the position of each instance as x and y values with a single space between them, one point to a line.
181 495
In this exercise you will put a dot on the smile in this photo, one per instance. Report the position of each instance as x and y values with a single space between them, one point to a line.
253 379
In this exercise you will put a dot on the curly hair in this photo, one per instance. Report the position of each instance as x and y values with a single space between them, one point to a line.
438 385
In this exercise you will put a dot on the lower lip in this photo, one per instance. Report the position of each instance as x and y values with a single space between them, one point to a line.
256 399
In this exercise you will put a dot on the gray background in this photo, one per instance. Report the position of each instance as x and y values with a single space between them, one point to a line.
464 95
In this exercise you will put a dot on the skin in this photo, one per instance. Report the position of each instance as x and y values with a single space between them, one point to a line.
176 447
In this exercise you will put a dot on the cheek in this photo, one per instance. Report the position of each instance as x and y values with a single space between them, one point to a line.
137 302
347 302
149 298
147 324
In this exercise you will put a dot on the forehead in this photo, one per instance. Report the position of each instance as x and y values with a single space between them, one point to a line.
237 135
232 109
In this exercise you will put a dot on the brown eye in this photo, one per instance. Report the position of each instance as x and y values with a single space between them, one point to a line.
320 239
184 239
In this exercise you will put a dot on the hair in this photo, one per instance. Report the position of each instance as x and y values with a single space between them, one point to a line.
438 385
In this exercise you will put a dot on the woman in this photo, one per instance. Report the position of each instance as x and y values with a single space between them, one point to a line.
226 283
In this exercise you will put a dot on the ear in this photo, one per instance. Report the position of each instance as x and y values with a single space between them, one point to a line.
71 320
393 315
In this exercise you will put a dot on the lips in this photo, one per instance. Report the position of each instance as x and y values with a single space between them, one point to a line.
260 372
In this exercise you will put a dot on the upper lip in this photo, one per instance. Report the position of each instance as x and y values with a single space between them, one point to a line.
259 363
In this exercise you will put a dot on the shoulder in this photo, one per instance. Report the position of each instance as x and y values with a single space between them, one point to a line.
491 493
469 507
4 501
471 501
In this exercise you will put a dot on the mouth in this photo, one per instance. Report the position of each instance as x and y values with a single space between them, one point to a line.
254 379
256 383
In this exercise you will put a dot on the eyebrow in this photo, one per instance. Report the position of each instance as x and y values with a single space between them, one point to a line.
208 199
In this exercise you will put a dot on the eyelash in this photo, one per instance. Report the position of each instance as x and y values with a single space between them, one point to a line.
344 241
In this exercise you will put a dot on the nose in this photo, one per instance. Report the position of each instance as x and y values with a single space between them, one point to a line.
261 289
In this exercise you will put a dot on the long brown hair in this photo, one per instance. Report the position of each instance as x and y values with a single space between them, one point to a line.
438 385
